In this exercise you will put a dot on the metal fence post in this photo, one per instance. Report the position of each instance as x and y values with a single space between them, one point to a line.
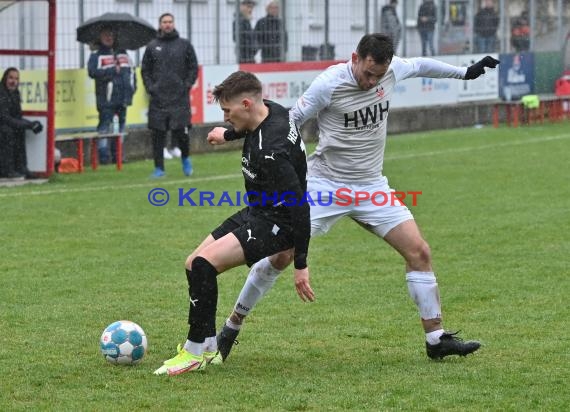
188 20
367 16
327 28
532 17
282 35
503 26
237 32
138 52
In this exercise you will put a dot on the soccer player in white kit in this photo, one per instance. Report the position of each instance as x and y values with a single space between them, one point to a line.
351 101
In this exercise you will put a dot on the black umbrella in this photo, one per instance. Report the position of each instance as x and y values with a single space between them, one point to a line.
131 32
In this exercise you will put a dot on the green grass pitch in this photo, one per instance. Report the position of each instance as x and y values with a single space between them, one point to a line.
86 250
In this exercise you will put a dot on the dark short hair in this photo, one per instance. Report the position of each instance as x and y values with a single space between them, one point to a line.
164 15
235 84
378 46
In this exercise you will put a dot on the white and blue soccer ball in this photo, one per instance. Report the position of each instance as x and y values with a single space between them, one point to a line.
123 342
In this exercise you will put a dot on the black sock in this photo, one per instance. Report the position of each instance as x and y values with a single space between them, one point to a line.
203 299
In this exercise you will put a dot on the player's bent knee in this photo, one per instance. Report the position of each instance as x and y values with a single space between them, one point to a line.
419 257
188 263
281 260
202 272
190 259
424 253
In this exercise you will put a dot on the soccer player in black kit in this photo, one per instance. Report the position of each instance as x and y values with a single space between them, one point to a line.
277 219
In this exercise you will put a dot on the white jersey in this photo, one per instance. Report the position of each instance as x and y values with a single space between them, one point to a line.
352 122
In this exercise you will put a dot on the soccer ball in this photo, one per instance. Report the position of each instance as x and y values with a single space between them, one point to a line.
123 342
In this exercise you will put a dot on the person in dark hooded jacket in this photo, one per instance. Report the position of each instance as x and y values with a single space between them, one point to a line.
271 35
246 37
485 26
115 85
13 161
169 69
390 23
427 18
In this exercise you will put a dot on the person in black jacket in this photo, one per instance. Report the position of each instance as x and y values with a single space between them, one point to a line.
169 69
390 23
13 160
115 85
271 36
427 17
274 168
486 25
247 43
520 32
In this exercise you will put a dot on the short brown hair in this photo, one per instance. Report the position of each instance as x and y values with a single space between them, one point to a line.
163 15
235 84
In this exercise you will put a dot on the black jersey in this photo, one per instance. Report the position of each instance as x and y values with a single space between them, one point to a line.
274 166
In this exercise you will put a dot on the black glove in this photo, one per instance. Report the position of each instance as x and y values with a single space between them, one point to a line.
477 69
36 127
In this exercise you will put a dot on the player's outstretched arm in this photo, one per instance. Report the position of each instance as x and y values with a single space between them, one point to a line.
477 69
216 136
303 285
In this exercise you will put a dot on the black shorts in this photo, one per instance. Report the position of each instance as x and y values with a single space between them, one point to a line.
258 236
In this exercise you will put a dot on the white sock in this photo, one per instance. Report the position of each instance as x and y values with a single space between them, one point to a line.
423 289
210 344
433 337
260 280
194 348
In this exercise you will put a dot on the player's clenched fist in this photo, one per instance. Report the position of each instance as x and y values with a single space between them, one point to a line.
216 136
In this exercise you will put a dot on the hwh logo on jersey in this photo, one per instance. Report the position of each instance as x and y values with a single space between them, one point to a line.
372 114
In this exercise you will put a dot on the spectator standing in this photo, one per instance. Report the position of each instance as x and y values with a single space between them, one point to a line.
247 44
13 161
169 69
486 26
390 24
270 35
115 85
427 17
520 32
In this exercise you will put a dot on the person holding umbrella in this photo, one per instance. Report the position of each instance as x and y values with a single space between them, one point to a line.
169 69
110 34
115 85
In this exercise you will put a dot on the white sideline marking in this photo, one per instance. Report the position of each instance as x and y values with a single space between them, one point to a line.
155 183
150 184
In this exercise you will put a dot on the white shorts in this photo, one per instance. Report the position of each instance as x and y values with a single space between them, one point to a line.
373 205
